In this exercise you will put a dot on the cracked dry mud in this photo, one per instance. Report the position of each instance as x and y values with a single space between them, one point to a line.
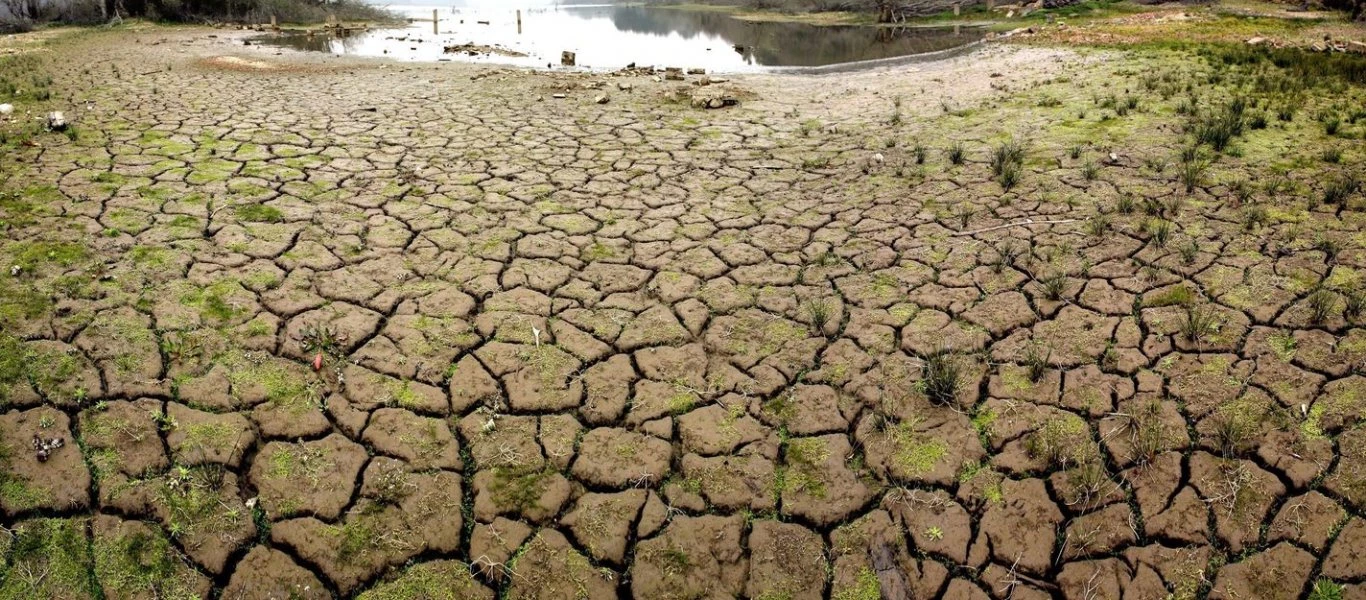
640 350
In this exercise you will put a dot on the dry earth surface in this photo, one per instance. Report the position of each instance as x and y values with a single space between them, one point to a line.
281 326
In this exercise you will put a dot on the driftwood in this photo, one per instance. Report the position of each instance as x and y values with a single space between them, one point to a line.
1015 224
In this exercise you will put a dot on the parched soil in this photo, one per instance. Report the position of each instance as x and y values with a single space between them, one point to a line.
1016 324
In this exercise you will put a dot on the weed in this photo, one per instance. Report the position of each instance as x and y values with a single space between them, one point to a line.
1192 173
1331 125
1160 231
1009 176
1255 216
919 151
1201 321
1036 361
1090 170
956 153
1326 589
1332 155
1098 225
1242 191
1008 253
321 339
1355 304
1057 441
1321 304
1009 152
1220 128
940 375
1338 190
818 312
1054 285
1189 251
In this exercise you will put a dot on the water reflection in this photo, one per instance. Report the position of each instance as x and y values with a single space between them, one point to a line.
610 37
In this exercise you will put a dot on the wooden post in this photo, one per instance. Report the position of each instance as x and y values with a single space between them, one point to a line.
955 10
519 21
435 22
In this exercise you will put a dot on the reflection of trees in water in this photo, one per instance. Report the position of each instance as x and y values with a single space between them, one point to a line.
790 44
347 43
762 43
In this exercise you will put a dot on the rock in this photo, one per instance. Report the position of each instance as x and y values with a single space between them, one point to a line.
56 121
1256 41
696 71
6 109
673 74
559 96
621 85
601 99
567 58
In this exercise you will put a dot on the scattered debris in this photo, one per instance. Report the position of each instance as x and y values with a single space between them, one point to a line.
43 447
714 101
480 49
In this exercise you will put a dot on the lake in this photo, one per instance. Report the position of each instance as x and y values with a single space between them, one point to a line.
610 37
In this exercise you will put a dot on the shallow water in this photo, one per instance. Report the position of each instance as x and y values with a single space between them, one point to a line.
612 37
